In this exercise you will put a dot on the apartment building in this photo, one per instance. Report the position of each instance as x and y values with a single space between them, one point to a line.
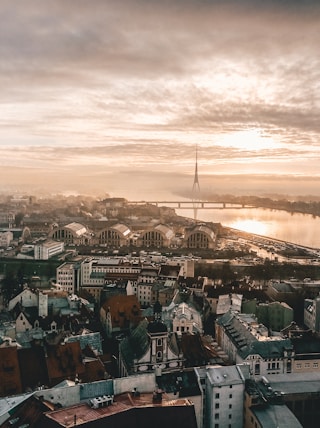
97 272
244 340
5 239
46 250
223 391
68 276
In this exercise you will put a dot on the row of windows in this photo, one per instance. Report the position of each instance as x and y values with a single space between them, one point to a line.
183 328
217 396
217 406
274 366
216 416
315 365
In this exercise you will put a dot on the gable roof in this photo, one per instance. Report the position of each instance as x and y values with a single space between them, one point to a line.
28 413
123 309
33 368
249 337
64 361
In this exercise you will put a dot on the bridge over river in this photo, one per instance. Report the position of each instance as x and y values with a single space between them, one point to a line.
198 204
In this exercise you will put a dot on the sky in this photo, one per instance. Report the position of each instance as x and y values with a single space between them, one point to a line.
117 96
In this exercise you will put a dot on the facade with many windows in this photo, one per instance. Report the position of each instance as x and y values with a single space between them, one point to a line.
48 249
67 276
96 272
244 340
223 388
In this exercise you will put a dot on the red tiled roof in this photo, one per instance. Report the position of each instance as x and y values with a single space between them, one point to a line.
123 309
10 382
64 361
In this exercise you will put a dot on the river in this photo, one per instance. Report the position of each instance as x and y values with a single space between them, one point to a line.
302 229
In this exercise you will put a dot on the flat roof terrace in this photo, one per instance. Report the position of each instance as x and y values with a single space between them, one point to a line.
83 413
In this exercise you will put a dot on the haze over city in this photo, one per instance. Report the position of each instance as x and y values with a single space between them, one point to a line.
113 97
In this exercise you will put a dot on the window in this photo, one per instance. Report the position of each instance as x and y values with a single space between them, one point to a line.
230 395
230 406
217 395
217 406
216 415
230 416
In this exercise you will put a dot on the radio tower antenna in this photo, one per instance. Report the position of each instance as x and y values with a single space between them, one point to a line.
196 188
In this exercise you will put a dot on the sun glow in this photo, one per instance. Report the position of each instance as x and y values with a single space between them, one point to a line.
251 226
251 139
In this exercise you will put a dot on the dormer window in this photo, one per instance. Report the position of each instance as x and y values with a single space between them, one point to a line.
53 326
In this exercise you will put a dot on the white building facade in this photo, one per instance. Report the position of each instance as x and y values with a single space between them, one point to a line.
48 249
5 239
224 394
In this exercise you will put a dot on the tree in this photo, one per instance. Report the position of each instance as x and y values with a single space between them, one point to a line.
18 218
9 285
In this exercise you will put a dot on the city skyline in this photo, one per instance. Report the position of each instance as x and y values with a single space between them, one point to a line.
114 97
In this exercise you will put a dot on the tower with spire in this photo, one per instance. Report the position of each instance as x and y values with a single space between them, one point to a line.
196 188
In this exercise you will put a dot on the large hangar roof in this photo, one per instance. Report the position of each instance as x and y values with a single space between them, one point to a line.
121 228
204 229
76 228
165 230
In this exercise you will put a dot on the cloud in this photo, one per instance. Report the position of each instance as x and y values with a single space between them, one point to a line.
123 85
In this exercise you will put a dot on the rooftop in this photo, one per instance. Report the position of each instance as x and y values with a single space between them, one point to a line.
296 383
83 413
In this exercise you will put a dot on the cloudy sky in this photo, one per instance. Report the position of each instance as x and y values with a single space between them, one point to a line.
115 96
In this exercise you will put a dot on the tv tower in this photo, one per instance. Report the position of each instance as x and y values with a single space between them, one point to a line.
196 188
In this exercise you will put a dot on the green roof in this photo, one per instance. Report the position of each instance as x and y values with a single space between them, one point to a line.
136 345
